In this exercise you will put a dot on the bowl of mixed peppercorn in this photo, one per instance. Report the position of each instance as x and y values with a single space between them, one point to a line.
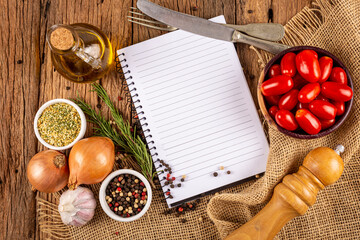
125 195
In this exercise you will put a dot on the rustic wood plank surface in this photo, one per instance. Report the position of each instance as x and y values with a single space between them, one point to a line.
28 79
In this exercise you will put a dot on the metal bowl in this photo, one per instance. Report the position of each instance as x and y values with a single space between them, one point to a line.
300 133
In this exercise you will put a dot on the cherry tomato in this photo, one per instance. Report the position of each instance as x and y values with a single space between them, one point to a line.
277 85
314 53
326 123
273 110
308 66
338 75
299 81
274 70
302 105
336 91
307 121
321 97
326 64
286 120
309 92
289 100
323 109
340 106
272 100
287 64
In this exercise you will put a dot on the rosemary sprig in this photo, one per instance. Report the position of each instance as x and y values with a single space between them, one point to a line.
127 139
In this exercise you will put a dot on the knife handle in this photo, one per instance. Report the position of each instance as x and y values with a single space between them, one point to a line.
271 47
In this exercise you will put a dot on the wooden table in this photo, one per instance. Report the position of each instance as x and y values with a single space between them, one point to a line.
28 78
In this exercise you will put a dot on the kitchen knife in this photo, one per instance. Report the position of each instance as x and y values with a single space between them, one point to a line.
204 27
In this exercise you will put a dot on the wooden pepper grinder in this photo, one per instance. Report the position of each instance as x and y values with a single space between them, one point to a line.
294 195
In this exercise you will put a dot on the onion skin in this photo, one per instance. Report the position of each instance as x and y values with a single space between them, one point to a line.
90 161
48 171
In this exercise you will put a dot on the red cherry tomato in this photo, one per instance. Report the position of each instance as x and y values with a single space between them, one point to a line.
336 91
326 64
307 121
299 81
309 92
321 97
286 120
273 110
314 53
338 75
272 100
287 64
274 70
277 85
302 105
308 65
289 100
326 123
340 106
323 109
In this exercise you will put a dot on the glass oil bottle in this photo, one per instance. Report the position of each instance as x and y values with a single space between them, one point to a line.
80 52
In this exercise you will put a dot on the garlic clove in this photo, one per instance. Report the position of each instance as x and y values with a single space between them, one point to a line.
77 222
86 214
88 204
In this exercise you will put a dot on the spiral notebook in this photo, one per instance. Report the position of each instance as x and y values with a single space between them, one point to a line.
196 112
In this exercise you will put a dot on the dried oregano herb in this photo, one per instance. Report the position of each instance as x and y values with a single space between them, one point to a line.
59 124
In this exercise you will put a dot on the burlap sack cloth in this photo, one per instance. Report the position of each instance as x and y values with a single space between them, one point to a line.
333 26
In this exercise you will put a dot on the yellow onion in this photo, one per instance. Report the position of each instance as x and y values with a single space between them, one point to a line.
90 161
48 171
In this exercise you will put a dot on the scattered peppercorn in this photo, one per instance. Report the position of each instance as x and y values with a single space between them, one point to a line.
228 172
182 179
98 105
179 185
250 11
19 61
215 174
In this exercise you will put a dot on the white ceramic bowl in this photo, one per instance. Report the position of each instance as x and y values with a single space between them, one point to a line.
51 102
105 206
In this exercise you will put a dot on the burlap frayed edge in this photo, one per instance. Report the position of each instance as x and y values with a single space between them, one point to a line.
50 221
300 28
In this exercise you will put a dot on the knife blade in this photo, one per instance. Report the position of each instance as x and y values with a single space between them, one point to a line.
186 22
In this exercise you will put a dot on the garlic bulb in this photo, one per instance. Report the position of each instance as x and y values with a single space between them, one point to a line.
77 207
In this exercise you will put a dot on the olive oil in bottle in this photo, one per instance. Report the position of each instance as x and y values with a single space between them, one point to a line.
80 52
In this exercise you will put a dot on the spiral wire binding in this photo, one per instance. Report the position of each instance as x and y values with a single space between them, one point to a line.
133 98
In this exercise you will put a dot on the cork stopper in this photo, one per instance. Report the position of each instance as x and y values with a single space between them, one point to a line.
62 39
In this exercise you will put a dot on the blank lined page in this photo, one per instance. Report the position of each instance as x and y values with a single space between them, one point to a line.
196 110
